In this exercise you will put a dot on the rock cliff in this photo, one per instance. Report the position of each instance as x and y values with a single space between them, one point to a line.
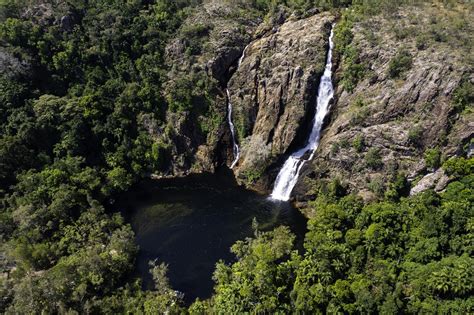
273 94
395 108
403 108
203 54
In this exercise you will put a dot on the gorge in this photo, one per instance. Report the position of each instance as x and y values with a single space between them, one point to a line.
210 212
236 157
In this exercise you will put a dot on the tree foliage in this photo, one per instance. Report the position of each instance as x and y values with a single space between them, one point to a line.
408 256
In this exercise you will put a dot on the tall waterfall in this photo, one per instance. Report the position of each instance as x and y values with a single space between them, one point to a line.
235 146
288 175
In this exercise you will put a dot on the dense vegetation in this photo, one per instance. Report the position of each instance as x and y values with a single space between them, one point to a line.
410 255
80 88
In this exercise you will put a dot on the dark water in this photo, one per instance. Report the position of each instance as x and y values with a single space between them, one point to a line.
190 223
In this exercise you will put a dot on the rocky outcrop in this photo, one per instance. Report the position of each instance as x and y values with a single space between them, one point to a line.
273 94
10 66
437 181
383 126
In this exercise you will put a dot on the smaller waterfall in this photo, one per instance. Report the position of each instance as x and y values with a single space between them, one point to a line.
235 146
243 56
288 175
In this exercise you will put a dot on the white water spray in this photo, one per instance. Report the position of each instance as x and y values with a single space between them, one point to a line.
235 146
288 175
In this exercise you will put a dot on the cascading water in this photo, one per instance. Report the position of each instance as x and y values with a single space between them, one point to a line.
235 146
288 175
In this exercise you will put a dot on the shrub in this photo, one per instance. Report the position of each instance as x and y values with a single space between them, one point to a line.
463 96
415 135
359 102
373 158
433 158
180 96
402 32
194 35
336 188
343 34
438 33
399 64
358 143
459 166
376 185
422 41
353 69
253 175
397 188
359 116
344 143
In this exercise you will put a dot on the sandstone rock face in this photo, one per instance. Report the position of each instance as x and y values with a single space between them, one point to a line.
383 126
273 94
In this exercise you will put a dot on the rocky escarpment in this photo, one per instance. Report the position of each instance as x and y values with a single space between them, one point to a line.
401 112
273 95
203 55
395 111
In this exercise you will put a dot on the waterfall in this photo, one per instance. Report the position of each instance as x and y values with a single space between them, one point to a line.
235 146
243 56
288 175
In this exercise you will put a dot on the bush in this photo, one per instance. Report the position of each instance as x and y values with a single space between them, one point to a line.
359 102
343 33
397 188
336 188
422 41
399 64
358 143
438 33
463 96
253 175
415 135
402 32
359 116
180 96
353 69
433 158
344 143
373 158
194 34
376 185
459 166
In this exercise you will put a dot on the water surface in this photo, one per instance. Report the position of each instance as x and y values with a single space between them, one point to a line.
190 224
